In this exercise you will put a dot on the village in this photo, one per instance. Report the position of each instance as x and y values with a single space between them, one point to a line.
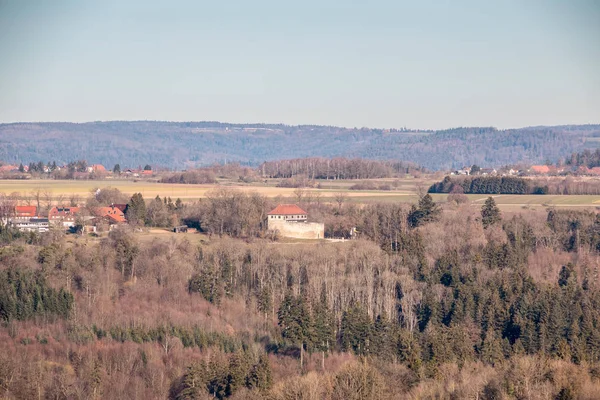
285 220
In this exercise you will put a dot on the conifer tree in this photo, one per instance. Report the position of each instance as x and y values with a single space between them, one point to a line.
490 213
426 211
323 327
136 210
355 330
260 376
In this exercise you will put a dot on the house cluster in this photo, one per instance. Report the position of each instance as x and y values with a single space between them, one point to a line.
581 170
97 170
475 171
27 218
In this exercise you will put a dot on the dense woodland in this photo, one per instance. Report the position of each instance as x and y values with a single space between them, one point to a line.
517 185
430 301
184 145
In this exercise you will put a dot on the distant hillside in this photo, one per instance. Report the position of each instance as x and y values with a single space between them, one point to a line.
186 144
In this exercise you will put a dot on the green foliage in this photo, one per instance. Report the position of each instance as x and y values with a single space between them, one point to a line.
490 213
426 211
295 321
136 210
25 294
484 185
9 234
208 284
356 330
260 376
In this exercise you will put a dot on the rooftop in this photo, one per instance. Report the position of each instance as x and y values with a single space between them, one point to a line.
287 209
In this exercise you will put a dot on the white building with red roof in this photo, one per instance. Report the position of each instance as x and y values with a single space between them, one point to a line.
288 212
289 220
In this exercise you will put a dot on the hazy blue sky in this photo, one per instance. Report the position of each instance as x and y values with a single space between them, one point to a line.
419 64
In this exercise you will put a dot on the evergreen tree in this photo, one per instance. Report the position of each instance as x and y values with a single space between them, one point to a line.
21 168
426 211
117 169
260 376
355 330
567 275
383 338
490 213
136 210
193 383
323 327
296 322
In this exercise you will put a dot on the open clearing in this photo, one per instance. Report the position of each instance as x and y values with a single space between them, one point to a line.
406 192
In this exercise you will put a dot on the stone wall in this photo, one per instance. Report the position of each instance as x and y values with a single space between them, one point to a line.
298 230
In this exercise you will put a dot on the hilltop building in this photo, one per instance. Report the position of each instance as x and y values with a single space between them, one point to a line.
289 220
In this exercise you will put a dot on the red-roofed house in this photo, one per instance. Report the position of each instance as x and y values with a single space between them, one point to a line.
25 211
288 212
289 220
97 168
63 215
113 213
540 169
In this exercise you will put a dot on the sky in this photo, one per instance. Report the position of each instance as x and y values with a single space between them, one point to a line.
378 63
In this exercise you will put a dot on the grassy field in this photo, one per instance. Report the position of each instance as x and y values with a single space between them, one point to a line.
186 192
405 191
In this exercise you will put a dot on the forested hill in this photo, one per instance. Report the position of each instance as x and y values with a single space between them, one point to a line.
186 144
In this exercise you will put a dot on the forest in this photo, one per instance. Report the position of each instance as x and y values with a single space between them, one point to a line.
428 301
186 145
568 185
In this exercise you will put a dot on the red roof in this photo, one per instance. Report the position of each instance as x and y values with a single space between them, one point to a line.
287 209
540 169
56 212
25 211
98 168
111 212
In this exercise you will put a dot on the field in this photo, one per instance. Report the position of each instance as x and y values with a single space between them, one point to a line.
405 191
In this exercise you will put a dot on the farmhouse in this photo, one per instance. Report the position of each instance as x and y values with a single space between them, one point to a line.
112 213
289 220
64 216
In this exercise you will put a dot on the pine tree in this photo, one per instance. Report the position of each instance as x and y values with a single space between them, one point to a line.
260 376
323 328
490 213
136 210
426 211
355 330
383 338
296 323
